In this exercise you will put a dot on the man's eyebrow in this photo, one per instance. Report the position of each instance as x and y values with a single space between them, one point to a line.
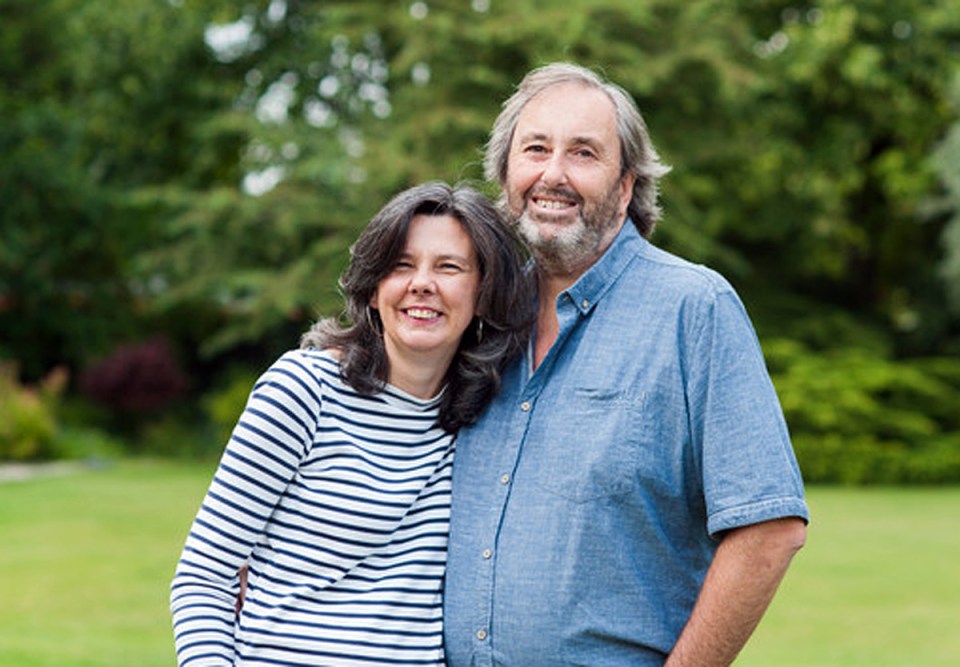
532 136
593 142
583 140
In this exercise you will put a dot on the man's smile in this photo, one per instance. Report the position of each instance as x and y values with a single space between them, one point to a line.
553 204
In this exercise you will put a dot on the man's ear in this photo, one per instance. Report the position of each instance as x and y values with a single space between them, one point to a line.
626 190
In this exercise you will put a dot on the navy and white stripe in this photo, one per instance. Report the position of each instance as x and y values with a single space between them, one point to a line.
340 502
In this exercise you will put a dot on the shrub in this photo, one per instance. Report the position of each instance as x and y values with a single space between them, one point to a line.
857 417
178 433
79 442
28 424
225 403
136 378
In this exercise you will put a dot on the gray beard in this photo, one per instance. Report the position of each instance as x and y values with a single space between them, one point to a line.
562 254
574 249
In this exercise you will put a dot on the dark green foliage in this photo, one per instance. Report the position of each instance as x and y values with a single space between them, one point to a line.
155 184
225 402
99 99
857 417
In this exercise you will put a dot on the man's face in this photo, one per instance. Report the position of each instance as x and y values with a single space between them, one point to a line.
563 188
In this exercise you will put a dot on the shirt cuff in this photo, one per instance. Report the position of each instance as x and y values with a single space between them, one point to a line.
757 512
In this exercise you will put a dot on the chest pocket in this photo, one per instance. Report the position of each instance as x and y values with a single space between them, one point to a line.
593 445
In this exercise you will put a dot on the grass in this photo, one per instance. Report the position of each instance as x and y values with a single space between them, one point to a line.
87 558
878 584
86 563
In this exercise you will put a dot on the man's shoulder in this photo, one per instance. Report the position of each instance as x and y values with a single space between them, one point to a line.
675 275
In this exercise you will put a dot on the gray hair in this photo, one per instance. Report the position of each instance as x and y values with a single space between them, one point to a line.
637 154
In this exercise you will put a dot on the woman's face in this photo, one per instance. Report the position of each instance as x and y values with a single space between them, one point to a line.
429 297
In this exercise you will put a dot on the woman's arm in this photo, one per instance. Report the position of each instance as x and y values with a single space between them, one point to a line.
273 433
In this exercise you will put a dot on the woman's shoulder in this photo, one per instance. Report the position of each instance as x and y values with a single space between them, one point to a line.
306 365
330 355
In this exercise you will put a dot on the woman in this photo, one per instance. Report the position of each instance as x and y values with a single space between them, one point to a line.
335 485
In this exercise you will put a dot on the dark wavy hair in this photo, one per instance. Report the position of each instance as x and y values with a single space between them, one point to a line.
504 302
637 153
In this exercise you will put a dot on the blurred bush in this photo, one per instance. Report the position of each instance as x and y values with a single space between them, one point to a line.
223 405
137 377
28 424
858 417
75 442
35 421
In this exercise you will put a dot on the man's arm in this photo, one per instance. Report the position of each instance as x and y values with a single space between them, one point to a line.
746 570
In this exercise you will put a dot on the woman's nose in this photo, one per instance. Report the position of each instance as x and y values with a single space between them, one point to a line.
422 282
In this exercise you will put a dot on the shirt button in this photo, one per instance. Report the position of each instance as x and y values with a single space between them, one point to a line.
525 406
585 303
505 479
487 553
481 634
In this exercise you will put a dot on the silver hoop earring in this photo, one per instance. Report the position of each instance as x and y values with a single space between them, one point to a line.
479 330
372 322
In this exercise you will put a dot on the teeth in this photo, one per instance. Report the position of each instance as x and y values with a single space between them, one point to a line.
422 313
551 203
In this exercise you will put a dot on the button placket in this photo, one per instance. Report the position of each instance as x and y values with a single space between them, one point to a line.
481 633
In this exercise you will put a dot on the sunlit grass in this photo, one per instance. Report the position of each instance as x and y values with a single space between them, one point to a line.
878 584
86 561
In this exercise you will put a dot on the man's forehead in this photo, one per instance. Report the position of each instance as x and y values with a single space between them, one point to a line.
572 112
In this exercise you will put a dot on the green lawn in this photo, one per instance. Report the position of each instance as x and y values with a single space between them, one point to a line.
878 584
86 563
86 560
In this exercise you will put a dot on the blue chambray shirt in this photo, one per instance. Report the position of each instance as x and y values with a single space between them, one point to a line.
588 499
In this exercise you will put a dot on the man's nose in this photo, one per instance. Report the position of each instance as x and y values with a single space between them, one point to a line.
554 170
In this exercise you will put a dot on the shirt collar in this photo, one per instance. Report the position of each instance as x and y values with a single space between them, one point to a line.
594 283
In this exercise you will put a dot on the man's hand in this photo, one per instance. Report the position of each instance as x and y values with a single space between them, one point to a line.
242 573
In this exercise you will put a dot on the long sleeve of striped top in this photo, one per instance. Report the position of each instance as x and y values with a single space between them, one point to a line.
339 504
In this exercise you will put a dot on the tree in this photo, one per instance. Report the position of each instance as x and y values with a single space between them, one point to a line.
200 168
850 101
794 172
96 106
947 205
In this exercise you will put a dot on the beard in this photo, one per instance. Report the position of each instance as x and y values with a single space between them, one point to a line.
570 248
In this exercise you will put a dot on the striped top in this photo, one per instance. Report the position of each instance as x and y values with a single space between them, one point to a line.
340 503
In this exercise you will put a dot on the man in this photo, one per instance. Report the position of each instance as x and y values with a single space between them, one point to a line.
631 497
